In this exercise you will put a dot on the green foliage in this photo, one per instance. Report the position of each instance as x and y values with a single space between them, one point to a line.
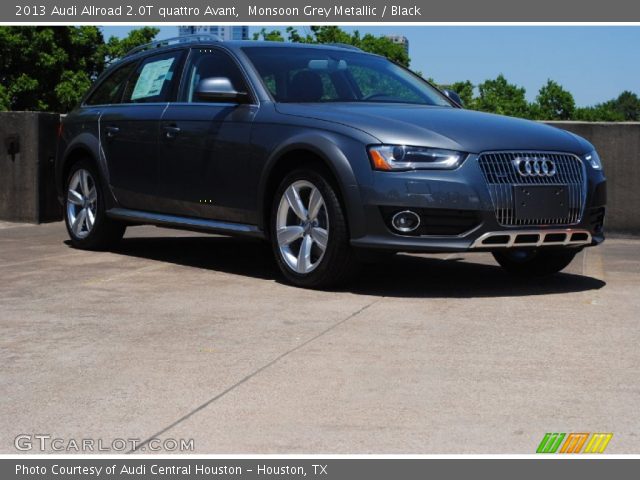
502 97
72 86
597 113
117 47
50 68
5 99
624 108
554 103
269 36
464 90
333 34
628 104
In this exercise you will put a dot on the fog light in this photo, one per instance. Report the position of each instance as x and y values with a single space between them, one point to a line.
406 221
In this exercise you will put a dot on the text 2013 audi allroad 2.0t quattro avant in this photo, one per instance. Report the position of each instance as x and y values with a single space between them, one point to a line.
327 152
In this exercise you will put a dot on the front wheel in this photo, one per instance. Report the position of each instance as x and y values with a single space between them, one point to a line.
534 262
309 232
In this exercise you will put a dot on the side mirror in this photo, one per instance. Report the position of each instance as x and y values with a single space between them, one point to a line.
453 96
219 89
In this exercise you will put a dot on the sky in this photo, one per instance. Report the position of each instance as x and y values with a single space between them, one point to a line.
595 63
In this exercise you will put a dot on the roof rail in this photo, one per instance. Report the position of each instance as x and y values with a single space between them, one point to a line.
344 45
174 40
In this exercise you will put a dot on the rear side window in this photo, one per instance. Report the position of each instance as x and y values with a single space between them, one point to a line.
153 79
208 63
110 90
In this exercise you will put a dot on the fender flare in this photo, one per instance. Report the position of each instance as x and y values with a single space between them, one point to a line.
325 146
89 144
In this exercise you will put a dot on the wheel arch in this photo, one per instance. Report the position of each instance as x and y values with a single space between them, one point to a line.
79 152
83 147
323 151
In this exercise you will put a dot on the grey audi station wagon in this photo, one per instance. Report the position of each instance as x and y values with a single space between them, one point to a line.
329 153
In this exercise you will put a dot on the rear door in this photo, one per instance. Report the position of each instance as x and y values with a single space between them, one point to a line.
129 132
205 147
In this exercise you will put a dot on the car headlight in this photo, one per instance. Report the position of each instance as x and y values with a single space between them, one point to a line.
594 160
403 157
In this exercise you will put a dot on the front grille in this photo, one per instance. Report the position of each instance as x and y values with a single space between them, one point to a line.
502 175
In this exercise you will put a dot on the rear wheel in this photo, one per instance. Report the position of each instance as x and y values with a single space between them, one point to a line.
87 223
309 232
534 262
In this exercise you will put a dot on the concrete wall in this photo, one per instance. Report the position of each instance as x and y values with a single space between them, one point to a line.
27 192
27 151
619 147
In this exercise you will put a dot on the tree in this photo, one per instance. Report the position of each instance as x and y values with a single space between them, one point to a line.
499 96
628 106
116 47
333 34
269 36
464 90
385 47
624 108
554 103
38 60
603 112
50 68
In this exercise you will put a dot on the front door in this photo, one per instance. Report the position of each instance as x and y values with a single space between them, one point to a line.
205 147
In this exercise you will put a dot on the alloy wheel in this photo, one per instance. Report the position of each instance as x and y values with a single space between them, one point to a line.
302 226
82 203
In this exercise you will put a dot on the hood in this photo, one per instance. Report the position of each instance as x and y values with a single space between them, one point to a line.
440 127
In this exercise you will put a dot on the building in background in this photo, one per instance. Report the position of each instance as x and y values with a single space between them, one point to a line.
226 32
401 40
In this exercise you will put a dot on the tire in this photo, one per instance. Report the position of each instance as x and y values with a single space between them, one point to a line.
84 199
306 216
535 262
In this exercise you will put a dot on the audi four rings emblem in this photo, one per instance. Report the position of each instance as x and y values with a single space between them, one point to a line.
535 167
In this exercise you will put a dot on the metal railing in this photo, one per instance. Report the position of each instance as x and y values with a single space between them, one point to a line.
196 38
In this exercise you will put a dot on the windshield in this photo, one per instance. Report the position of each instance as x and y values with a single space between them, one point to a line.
313 75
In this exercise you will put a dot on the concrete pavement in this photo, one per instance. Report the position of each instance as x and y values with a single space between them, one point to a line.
178 335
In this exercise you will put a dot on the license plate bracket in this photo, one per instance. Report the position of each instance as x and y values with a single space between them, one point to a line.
541 202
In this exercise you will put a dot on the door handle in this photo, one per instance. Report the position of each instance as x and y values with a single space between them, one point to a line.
171 131
112 131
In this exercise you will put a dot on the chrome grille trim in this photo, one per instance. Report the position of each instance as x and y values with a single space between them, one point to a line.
501 176
511 238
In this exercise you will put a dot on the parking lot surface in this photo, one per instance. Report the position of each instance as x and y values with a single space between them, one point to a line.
178 335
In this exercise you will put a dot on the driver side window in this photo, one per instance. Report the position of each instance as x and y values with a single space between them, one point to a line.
208 63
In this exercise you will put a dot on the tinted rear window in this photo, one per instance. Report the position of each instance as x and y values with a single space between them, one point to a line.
153 79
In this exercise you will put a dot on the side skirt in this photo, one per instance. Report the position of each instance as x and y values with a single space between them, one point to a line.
185 223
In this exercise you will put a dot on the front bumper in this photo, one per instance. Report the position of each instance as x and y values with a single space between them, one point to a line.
465 190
